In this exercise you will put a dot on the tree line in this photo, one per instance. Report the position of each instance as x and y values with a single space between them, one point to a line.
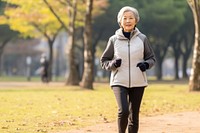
168 24
46 18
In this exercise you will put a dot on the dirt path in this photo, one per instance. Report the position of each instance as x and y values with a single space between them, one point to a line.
186 122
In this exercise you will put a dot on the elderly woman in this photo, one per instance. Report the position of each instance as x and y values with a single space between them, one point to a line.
128 55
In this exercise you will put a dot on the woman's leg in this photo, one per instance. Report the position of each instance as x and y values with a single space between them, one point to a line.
121 94
135 98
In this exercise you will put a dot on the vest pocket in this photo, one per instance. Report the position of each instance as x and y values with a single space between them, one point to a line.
114 75
145 79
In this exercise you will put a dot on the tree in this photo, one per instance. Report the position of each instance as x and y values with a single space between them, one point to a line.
87 79
6 34
175 43
181 41
194 82
33 19
71 6
75 13
187 40
159 19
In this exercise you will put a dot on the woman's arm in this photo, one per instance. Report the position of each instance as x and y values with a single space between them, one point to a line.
149 55
107 56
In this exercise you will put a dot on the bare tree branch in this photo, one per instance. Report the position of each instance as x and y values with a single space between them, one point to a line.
69 3
56 15
66 2
45 33
41 31
54 37
4 43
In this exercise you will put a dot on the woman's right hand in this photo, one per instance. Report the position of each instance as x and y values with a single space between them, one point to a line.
117 62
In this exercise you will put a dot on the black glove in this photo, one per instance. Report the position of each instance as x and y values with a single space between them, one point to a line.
117 62
143 66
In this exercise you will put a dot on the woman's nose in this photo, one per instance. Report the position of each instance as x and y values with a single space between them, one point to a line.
127 20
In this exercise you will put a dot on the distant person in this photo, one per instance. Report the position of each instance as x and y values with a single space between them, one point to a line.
44 68
128 55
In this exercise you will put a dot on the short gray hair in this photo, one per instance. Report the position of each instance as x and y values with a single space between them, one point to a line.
125 9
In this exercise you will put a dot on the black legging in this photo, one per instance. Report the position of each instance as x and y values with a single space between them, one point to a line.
128 100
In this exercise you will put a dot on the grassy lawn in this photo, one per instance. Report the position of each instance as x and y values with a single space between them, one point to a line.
35 107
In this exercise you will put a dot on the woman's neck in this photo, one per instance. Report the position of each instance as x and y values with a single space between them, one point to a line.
127 34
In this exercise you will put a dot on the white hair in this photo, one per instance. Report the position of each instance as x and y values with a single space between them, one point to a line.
125 9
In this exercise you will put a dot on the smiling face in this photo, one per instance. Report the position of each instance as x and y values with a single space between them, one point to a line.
128 21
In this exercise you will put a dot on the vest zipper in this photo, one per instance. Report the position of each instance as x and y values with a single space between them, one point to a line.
129 63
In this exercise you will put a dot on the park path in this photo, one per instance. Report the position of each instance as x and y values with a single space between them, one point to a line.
185 122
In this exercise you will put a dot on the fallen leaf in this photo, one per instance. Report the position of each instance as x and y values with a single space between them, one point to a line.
5 127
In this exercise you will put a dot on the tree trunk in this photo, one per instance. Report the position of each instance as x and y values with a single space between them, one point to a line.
159 58
50 62
1 52
87 79
186 54
177 53
176 67
73 76
184 66
159 70
194 82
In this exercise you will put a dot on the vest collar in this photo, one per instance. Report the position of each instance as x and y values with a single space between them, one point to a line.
120 34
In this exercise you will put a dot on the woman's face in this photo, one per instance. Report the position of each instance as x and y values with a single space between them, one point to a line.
128 21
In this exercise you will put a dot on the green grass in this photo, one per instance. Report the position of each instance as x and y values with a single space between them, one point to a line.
169 98
24 79
17 78
33 107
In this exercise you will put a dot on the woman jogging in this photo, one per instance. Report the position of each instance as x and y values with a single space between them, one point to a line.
128 55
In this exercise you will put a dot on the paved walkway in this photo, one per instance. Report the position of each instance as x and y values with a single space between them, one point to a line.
186 122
